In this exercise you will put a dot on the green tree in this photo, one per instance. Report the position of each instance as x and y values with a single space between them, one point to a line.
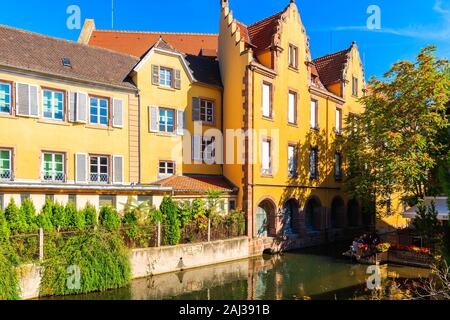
393 146
109 218
29 211
16 219
75 218
427 224
60 220
44 220
4 229
185 213
169 213
90 216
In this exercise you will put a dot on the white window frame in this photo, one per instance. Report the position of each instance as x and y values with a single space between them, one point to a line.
9 175
165 117
208 148
54 177
206 105
98 99
165 74
99 178
314 114
52 104
292 161
266 100
314 174
165 166
10 97
266 159
338 119
292 106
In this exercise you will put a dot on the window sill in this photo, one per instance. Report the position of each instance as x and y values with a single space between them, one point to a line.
166 88
293 69
293 124
316 129
99 127
268 118
166 134
56 122
7 115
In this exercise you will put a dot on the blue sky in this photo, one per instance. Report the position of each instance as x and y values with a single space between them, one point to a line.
406 25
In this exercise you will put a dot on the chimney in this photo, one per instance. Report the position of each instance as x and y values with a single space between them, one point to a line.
86 32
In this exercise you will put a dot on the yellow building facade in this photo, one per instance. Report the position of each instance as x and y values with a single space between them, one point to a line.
247 112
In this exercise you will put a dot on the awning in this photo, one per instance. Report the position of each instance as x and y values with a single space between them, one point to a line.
439 202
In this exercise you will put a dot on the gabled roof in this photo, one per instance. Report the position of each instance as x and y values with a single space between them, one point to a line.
199 69
261 33
38 53
197 184
138 43
331 67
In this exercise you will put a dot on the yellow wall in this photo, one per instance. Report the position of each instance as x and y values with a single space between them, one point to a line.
30 136
161 146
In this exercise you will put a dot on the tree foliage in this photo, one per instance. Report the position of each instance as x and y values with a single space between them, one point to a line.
393 146
169 213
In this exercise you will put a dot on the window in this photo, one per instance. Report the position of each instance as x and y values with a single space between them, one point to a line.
166 168
53 104
292 161
338 121
293 56
165 77
267 100
314 163
231 205
53 166
50 197
338 166
314 120
99 111
73 199
5 97
266 157
355 86
107 201
292 107
145 199
24 196
5 164
99 169
209 149
207 111
166 120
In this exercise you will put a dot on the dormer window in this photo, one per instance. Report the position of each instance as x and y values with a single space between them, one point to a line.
66 62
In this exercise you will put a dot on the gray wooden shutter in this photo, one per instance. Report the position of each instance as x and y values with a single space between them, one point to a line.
155 75
34 101
23 99
180 122
117 113
195 109
118 169
72 106
80 168
81 111
177 81
153 114
197 148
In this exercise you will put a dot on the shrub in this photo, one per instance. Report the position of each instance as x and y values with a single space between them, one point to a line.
109 218
9 284
4 229
90 216
59 218
101 259
29 211
75 218
185 213
170 218
154 215
16 219
44 220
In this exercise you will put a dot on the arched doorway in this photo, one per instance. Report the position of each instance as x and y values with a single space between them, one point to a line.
353 213
290 216
265 215
313 217
337 213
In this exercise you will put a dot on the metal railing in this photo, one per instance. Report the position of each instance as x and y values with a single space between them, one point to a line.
5 175
102 178
53 177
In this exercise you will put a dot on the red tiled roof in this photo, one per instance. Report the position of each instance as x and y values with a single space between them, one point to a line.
331 66
261 33
197 184
244 31
44 54
138 43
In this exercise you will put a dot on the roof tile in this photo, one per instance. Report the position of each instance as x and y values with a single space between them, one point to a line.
331 66
197 184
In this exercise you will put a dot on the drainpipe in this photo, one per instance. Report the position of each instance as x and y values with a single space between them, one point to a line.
139 139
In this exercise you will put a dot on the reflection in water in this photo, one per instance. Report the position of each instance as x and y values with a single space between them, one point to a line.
312 274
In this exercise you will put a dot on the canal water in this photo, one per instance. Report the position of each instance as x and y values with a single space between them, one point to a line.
316 274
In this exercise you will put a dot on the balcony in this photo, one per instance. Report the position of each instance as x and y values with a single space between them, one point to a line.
53 177
5 175
99 178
